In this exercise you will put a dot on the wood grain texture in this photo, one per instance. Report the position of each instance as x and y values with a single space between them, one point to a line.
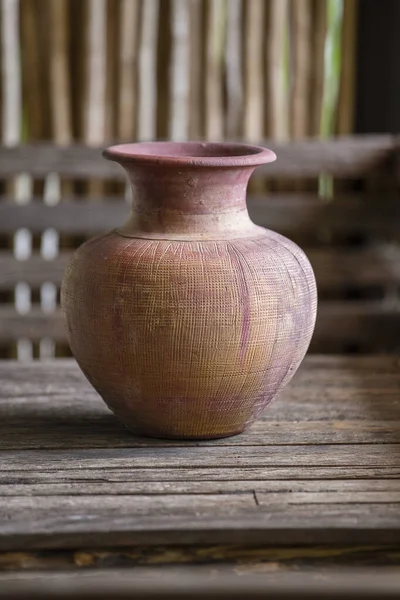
160 583
320 467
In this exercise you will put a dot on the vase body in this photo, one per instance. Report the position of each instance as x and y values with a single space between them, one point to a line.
189 319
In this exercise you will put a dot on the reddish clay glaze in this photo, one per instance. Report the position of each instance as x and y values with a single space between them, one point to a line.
189 319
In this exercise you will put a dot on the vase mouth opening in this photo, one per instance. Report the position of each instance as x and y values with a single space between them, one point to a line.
193 154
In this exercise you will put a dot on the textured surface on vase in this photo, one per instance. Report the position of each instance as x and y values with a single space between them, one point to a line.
189 319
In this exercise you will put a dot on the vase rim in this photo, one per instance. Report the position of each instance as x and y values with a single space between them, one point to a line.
192 154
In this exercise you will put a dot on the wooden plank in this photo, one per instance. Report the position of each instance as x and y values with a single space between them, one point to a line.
204 582
181 476
57 522
102 430
366 325
370 326
117 490
302 216
337 497
171 457
343 156
333 268
77 217
306 491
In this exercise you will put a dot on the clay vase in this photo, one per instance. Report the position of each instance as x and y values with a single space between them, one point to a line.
189 319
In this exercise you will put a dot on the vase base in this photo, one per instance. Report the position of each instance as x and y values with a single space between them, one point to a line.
181 437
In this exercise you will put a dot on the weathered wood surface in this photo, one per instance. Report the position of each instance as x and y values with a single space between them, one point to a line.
366 325
202 583
302 216
344 156
322 466
333 267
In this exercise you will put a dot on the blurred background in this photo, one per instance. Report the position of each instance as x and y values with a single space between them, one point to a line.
96 70
275 72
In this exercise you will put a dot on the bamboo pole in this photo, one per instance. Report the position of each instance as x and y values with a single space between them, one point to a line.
11 133
345 107
31 70
77 55
94 125
179 71
95 97
319 28
234 69
301 65
278 109
11 73
147 83
254 97
111 70
60 108
195 55
213 109
59 72
128 47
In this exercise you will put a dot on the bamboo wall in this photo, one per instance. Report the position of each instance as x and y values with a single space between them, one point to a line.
96 71
100 70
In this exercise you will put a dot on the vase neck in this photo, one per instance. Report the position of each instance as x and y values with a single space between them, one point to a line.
189 190
179 202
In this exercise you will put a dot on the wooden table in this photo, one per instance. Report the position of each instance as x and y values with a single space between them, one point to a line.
313 485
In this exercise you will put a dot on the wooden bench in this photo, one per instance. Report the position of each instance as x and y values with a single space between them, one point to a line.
351 239
87 510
